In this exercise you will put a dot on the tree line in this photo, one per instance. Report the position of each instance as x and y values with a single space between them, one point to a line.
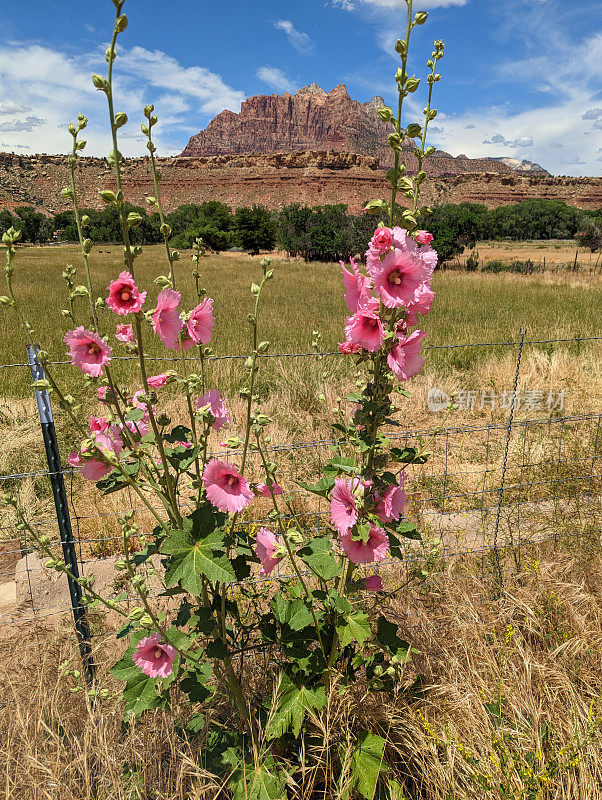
319 233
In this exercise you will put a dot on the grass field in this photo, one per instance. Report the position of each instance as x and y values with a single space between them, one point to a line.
557 253
517 677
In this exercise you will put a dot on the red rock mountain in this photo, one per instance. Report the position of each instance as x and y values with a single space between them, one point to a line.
314 120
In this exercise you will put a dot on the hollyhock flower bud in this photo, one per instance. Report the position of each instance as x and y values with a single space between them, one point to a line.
423 237
124 333
375 549
263 490
348 348
267 550
382 241
226 489
154 657
87 351
124 296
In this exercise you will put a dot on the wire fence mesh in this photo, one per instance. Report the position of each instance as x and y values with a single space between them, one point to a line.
488 491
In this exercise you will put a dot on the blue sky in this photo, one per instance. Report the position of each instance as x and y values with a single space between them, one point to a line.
521 78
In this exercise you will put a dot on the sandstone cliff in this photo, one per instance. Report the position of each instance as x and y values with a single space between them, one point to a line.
273 179
313 120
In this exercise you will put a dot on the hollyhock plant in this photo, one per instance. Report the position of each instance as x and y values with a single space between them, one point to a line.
166 319
423 237
87 351
365 328
185 550
357 286
267 550
124 296
226 489
359 552
343 505
157 381
404 359
125 333
393 501
397 278
263 490
217 407
154 657
382 241
92 469
201 321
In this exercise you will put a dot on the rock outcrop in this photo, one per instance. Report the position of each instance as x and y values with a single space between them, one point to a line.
274 179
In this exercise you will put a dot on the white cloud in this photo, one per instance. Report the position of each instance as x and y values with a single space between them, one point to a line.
10 107
56 87
499 138
592 113
276 79
22 125
299 40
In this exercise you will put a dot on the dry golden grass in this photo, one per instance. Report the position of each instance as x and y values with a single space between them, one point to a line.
522 673
557 253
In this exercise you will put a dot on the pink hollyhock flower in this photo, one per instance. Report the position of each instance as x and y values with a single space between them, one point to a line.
263 490
403 241
343 504
374 583
87 351
217 407
226 489
357 286
99 424
393 501
201 322
382 241
154 657
124 296
91 468
102 393
266 548
349 348
140 428
166 320
157 381
365 327
375 549
423 237
398 277
405 359
422 304
125 333
183 443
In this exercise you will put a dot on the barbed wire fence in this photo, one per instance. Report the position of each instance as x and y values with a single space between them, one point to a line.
488 492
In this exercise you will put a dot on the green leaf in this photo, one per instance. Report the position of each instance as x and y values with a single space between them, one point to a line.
294 702
338 465
140 694
386 636
261 782
317 555
193 558
293 613
408 455
321 488
355 628
194 684
367 764
408 530
135 415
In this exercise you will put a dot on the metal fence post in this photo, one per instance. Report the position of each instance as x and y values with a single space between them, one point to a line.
55 471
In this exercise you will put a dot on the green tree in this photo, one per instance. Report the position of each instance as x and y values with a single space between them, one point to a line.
255 228
34 226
